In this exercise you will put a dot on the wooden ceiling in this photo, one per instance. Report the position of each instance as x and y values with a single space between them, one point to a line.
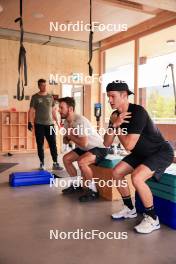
64 11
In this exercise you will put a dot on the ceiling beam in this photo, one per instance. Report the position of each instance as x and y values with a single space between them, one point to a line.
46 40
130 5
161 21
169 5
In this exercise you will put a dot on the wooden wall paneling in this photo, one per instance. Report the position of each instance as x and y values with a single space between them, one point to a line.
43 60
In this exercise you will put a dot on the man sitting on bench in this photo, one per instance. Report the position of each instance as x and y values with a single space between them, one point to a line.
150 154
89 148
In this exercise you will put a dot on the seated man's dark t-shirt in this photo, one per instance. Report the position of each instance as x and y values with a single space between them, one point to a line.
151 139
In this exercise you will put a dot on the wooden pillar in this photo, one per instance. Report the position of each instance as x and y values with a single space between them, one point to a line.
102 58
136 68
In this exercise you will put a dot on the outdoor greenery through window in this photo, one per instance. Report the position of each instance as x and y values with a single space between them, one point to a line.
119 66
158 60
157 63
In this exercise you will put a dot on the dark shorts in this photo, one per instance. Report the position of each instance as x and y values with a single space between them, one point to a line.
158 162
100 153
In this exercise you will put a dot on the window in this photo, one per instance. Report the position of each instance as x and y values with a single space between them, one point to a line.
119 65
157 60
76 91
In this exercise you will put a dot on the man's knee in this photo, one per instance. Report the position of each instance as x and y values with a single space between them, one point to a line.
136 179
85 161
117 174
67 159
82 162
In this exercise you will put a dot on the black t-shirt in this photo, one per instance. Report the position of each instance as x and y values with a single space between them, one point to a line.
150 139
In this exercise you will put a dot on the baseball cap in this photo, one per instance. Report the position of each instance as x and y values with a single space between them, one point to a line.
118 86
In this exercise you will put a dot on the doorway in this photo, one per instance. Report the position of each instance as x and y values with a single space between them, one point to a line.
77 92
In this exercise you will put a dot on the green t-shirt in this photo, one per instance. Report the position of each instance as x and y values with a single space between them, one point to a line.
43 105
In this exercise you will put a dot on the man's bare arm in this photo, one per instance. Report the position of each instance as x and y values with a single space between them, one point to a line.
55 117
129 141
31 114
109 138
80 141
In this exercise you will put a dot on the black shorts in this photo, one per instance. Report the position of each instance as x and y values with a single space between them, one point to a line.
158 162
100 153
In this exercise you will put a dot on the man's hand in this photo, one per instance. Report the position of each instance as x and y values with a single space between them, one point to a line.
118 120
66 140
30 126
70 134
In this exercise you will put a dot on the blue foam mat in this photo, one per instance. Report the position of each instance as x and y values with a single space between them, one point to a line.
166 210
29 178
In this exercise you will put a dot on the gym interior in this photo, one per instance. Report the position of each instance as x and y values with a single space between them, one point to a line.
76 48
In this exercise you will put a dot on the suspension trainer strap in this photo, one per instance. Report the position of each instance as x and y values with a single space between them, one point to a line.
22 63
90 42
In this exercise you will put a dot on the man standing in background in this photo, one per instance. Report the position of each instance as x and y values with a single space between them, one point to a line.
43 112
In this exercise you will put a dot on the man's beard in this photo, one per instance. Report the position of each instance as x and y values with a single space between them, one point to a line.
64 116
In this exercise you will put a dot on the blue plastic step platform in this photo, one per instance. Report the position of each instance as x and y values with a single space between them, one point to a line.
165 209
30 178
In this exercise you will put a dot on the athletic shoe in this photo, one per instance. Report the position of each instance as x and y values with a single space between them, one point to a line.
72 189
125 213
42 166
147 225
56 166
89 196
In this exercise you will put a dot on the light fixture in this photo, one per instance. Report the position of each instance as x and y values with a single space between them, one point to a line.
38 15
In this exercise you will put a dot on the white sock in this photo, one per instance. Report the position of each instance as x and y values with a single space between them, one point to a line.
92 186
76 180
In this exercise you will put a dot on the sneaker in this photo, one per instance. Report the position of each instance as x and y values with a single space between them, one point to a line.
89 196
72 189
56 166
147 225
42 166
125 213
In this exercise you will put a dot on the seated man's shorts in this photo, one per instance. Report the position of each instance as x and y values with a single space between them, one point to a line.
100 153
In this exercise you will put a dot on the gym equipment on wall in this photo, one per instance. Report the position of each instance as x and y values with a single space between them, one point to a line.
97 114
22 64
90 42
173 81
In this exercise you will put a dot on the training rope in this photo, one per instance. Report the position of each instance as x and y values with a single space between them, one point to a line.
90 42
173 81
22 64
